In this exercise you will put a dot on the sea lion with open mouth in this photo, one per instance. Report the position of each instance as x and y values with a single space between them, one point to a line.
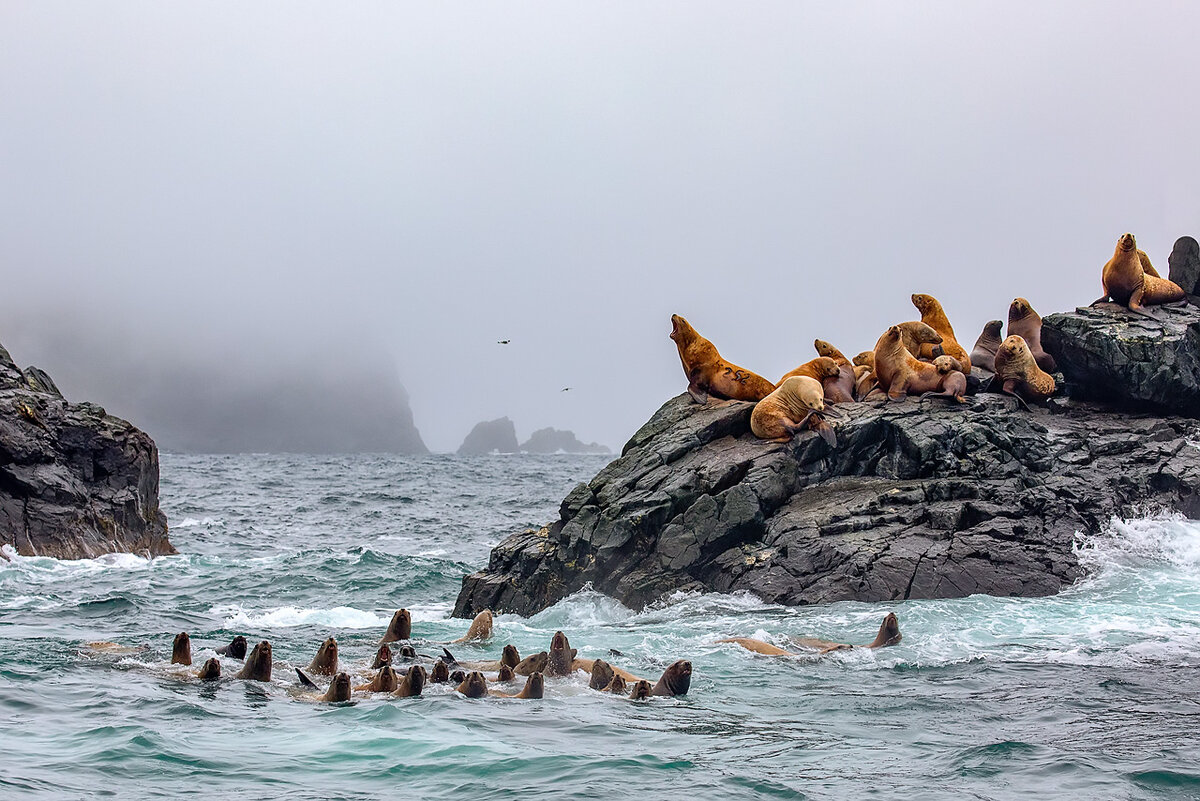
258 663
382 657
708 373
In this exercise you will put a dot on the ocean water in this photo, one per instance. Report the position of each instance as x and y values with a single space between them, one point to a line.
1094 693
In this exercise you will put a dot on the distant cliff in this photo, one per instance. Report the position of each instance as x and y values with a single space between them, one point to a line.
490 436
554 440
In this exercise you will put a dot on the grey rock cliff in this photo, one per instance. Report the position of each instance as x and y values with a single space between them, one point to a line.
553 440
490 436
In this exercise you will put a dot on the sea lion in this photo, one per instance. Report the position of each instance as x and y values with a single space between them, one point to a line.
819 368
602 675
534 663
505 674
458 677
400 628
236 648
641 690
181 649
481 628
934 316
210 670
382 657
326 661
839 389
708 373
889 634
617 685
385 681
474 685
535 687
865 359
510 656
339 689
1024 322
561 657
899 372
675 680
954 381
917 337
783 413
407 653
1019 374
865 381
1128 283
439 673
258 664
984 353
412 684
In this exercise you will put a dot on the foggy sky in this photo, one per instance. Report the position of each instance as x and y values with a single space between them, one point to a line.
421 180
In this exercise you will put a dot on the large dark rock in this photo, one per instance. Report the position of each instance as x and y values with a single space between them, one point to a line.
75 482
556 440
1128 360
490 436
918 500
1185 265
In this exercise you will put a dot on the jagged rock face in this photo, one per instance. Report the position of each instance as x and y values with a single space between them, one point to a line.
1109 353
918 500
490 436
75 482
1184 265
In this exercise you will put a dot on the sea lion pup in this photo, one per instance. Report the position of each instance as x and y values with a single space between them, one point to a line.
899 372
382 657
339 689
400 628
236 648
917 336
412 684
439 674
602 675
841 388
819 368
783 413
641 690
934 316
675 680
1127 281
326 661
481 629
617 685
1019 374
181 649
535 687
889 634
209 670
534 663
984 353
258 663
1024 322
385 681
505 674
954 381
709 374
474 685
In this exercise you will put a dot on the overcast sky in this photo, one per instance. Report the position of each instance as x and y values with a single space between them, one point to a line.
421 180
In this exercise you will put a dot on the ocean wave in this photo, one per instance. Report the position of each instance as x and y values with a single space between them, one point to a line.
339 617
190 522
109 561
1165 538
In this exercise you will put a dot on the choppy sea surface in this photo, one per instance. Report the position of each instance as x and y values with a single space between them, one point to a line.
1094 693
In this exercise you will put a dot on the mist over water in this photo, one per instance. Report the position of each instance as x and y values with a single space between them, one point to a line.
1090 693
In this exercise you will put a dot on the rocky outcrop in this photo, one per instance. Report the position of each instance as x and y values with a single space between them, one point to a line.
1184 266
490 436
555 440
75 482
920 499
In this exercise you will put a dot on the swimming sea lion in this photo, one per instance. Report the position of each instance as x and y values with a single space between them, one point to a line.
474 685
1127 282
210 670
407 652
236 648
385 681
181 649
439 674
1019 373
412 684
382 657
617 685
505 674
510 656
400 628
1024 322
458 677
819 368
934 316
675 680
889 634
899 372
561 658
339 689
984 353
534 663
708 373
258 664
918 338
602 674
954 381
641 690
783 413
326 660
481 628
535 687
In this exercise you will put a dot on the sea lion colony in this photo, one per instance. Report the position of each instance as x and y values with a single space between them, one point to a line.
917 357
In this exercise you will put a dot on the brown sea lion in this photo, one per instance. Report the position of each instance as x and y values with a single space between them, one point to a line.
535 687
412 684
481 628
934 316
889 634
400 628
236 648
181 649
382 657
617 686
954 381
1127 282
534 663
839 389
984 353
787 410
1019 374
899 372
1024 322
675 680
865 381
505 674
641 690
819 368
865 359
385 681
708 373
407 652
561 657
258 664
339 689
210 670
510 656
474 685
325 662
458 677
916 337
439 673
602 675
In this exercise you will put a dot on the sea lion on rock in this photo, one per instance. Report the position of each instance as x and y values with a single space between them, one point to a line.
889 634
641 690
385 681
899 372
954 381
675 680
984 353
783 413
1019 374
481 628
708 373
439 674
326 661
412 684
1024 322
210 670
236 648
820 368
534 663
1129 284
934 316
617 685
474 685
400 628
602 675
181 649
339 689
258 664
382 657
917 337
505 674
838 389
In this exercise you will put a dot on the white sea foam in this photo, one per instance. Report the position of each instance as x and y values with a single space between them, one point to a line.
339 617
109 561
190 522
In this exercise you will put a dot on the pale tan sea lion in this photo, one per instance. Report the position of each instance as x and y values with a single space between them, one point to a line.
535 687
181 649
326 661
400 628
412 684
481 628
984 353
819 368
1019 374
1024 322
258 664
889 634
385 681
786 411
708 373
474 685
1127 282
534 663
934 316
339 689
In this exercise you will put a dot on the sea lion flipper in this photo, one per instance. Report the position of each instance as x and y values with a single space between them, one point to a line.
698 394
305 680
448 657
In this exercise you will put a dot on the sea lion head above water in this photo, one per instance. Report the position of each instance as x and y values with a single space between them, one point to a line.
675 680
480 628
561 656
339 689
505 674
602 674
236 648
458 677
413 682
382 657
407 652
258 663
385 681
400 628
510 656
641 690
210 670
617 686
474 685
535 687
439 674
326 660
181 649
889 632
532 663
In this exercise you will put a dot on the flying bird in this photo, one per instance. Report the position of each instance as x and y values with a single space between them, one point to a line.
503 341
566 389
